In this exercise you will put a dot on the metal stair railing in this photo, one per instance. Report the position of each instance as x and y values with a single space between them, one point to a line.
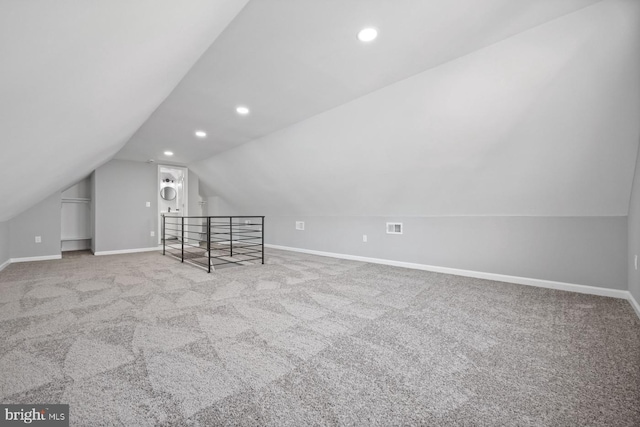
214 241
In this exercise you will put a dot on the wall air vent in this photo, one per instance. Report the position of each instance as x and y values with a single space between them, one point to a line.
394 228
299 225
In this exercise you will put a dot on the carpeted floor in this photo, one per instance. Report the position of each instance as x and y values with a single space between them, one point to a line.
141 339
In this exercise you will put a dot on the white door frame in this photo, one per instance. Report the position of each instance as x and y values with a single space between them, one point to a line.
184 211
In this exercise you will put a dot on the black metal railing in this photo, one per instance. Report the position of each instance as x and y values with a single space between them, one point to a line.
212 241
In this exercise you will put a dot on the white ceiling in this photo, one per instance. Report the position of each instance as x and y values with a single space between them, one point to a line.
544 123
288 60
78 78
81 79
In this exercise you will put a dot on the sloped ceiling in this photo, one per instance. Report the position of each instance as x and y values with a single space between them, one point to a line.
78 78
505 108
543 123
288 60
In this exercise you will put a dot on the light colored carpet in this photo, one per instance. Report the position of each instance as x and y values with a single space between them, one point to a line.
141 339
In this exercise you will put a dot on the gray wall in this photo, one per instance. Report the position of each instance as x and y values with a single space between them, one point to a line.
4 242
122 221
218 206
633 226
42 220
81 188
193 198
580 250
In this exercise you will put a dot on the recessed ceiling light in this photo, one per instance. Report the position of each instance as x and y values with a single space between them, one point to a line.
201 133
367 34
242 110
168 153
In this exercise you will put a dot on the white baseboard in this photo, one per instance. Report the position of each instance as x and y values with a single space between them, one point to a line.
128 251
36 258
634 304
5 264
571 287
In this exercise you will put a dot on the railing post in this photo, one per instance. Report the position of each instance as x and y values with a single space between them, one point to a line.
209 241
231 236
182 232
262 240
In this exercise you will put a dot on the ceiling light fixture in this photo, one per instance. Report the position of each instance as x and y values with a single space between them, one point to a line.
201 133
168 153
367 34
242 110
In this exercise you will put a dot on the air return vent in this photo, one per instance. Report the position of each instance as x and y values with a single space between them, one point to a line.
394 228
299 225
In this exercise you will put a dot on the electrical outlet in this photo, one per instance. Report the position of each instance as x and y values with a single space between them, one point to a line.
148 204
364 238
38 239
300 225
153 233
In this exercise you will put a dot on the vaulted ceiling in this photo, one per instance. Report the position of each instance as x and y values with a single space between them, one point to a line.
543 123
459 107
79 78
288 60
